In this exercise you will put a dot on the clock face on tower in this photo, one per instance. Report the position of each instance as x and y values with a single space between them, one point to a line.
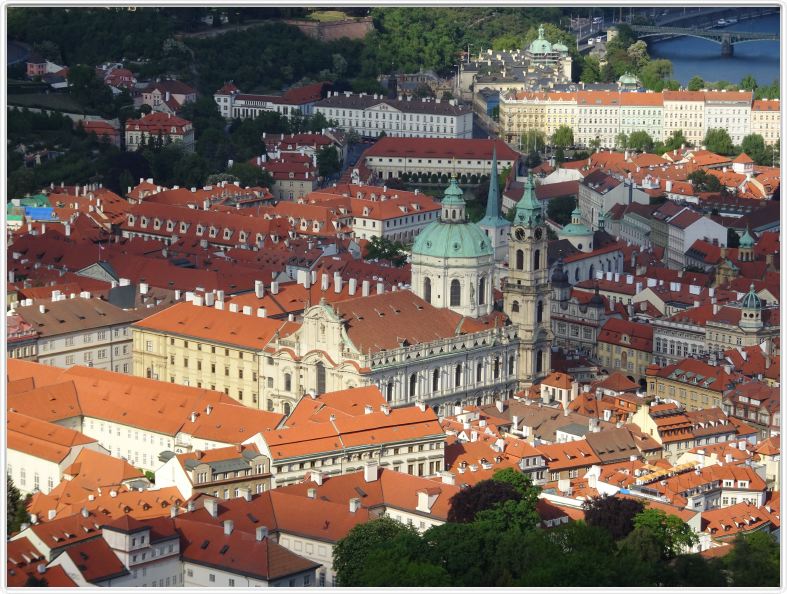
539 232
519 233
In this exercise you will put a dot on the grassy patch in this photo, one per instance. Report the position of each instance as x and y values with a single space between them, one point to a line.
327 16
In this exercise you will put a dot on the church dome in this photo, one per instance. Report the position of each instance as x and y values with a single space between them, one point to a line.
449 237
540 45
447 240
747 241
751 300
628 79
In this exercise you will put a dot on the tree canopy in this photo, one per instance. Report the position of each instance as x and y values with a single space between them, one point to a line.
717 140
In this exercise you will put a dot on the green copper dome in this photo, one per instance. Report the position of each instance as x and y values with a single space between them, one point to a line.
572 229
628 79
453 195
528 210
447 238
540 45
751 300
747 241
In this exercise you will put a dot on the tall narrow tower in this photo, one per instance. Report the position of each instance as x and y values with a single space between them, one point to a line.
526 292
493 224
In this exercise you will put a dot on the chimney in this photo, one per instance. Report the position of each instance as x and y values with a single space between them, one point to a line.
370 471
380 288
311 493
261 312
353 286
448 478
210 299
228 526
34 519
259 289
365 288
316 476
261 533
275 287
324 282
421 405
337 283
208 409
368 409
50 515
515 423
212 507
355 505
84 512
173 511
499 404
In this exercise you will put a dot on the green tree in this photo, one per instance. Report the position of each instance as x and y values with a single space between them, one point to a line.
422 90
401 562
467 503
675 141
754 146
613 514
351 552
638 53
591 70
654 73
559 209
249 175
671 533
717 140
748 83
533 140
563 137
328 161
754 561
382 248
621 140
16 511
640 140
696 83
704 182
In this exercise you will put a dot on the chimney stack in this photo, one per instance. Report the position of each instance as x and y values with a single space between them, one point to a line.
228 526
261 533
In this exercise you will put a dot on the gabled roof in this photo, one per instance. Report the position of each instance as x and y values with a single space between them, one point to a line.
240 553
96 561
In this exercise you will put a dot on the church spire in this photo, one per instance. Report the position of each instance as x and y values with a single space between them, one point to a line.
493 198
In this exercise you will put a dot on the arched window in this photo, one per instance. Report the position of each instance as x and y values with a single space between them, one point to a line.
456 293
453 214
458 376
515 307
539 361
389 391
286 409
482 290
287 382
320 378
428 290
435 380
540 312
591 272
497 367
478 371
520 260
576 275
511 365
413 385
537 260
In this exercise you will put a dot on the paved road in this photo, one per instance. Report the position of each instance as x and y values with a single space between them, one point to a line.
17 52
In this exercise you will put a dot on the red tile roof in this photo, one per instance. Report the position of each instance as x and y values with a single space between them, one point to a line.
627 334
96 561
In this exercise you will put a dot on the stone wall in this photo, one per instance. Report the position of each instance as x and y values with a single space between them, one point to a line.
331 31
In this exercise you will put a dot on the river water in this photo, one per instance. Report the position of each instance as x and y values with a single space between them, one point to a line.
691 56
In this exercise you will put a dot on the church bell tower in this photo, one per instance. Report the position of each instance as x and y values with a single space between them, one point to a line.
526 294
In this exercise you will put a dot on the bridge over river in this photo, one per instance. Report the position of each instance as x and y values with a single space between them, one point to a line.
727 39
